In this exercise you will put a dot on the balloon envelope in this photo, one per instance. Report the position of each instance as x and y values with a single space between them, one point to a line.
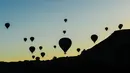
42 54
120 26
7 25
78 49
65 20
25 39
33 56
32 49
54 46
32 39
40 47
106 28
64 31
65 44
94 38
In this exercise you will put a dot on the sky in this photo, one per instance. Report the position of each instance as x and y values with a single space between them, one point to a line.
44 20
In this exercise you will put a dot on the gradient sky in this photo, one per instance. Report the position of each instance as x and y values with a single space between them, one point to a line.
44 19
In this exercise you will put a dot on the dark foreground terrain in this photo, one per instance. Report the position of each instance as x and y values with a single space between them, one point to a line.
111 53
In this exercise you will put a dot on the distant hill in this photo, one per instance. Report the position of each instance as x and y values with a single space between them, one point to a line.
113 52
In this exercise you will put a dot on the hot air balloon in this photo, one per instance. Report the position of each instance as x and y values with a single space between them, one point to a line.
40 47
32 39
25 39
78 49
37 58
7 25
106 28
64 31
32 49
120 26
42 54
65 20
54 46
94 38
65 43
33 56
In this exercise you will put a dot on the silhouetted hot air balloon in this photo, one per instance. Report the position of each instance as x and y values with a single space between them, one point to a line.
64 31
120 26
40 47
106 28
37 58
7 25
32 39
78 49
32 49
94 37
25 39
33 56
65 20
65 44
54 46
42 54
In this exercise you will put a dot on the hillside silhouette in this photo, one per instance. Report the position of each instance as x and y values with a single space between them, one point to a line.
111 53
